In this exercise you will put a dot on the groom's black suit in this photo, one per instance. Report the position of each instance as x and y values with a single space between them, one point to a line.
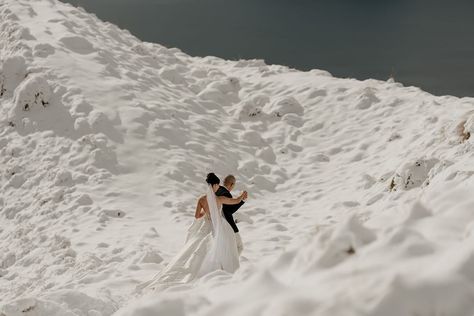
228 210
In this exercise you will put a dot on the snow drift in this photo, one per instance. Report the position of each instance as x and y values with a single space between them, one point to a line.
360 191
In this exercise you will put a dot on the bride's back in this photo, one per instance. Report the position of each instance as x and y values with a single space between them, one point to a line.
205 205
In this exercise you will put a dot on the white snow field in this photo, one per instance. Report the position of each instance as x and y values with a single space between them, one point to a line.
361 192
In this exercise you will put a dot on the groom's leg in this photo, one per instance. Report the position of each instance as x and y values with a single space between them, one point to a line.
240 245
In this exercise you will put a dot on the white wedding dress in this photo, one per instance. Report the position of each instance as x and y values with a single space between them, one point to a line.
210 245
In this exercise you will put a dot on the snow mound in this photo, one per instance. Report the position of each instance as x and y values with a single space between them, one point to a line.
253 108
34 94
35 108
284 106
223 92
367 99
12 73
412 174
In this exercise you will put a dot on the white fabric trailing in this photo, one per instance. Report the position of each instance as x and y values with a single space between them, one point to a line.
210 245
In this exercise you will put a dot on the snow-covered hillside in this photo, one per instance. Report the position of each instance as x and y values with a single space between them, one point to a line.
360 191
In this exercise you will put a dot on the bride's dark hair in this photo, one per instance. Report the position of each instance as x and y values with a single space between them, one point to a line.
212 179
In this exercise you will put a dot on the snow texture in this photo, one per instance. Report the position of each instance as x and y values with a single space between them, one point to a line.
360 191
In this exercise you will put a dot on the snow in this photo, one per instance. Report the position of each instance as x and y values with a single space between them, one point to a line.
360 191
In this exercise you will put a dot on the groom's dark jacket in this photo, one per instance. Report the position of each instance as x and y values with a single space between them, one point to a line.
228 210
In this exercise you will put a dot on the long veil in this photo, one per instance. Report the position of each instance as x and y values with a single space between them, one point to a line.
223 253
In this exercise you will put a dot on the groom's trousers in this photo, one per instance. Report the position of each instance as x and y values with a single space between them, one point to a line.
240 245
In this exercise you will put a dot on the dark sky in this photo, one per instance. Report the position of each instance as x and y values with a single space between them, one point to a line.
425 43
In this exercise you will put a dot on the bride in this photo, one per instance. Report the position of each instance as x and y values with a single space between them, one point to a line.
210 244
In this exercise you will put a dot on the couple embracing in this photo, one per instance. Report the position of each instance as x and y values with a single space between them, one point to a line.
213 242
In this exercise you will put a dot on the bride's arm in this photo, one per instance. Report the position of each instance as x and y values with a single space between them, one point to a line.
198 213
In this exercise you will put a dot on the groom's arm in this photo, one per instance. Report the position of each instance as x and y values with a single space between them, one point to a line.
229 208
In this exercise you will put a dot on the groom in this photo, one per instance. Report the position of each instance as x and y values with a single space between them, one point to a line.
229 210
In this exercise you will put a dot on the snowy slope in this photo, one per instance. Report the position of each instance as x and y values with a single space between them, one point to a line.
360 191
